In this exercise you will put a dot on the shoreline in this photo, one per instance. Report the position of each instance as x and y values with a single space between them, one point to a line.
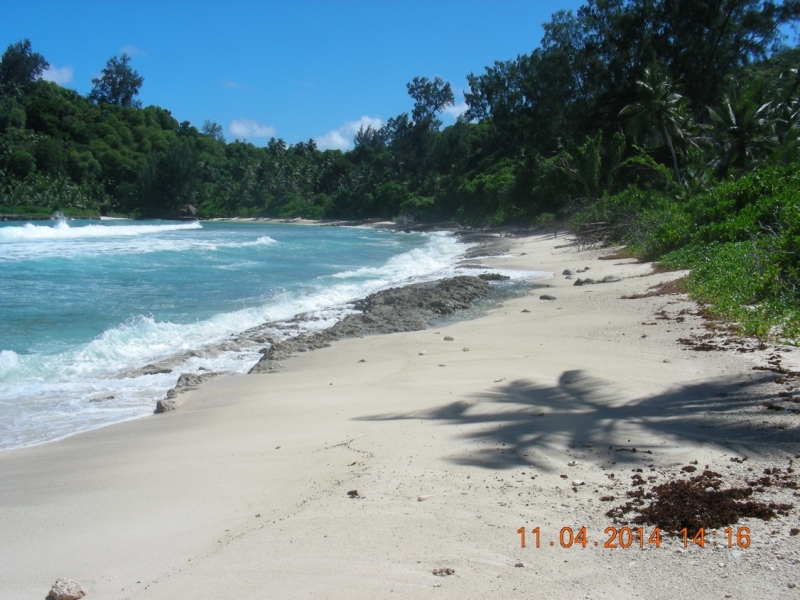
245 488
442 301
245 343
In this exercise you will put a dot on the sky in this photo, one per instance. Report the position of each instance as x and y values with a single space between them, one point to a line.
297 70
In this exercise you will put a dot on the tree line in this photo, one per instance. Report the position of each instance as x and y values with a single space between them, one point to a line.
669 96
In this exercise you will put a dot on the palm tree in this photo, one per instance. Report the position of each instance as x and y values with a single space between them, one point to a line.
660 106
747 128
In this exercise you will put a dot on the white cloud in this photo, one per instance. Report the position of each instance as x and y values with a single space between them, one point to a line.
342 138
59 75
456 110
233 85
132 51
249 129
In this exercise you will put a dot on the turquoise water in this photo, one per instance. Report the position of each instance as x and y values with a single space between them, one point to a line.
84 304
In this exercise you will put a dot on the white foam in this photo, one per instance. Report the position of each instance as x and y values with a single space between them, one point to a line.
61 230
264 240
9 361
17 249
435 258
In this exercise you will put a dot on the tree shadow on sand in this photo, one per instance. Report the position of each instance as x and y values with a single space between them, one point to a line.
521 421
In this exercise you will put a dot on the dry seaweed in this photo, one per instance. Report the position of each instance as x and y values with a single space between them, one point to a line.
700 502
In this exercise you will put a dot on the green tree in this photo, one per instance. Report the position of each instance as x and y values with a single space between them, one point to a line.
213 130
169 180
20 66
745 129
660 106
703 41
119 84
430 98
369 136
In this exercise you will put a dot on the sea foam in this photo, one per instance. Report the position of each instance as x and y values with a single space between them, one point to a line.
62 230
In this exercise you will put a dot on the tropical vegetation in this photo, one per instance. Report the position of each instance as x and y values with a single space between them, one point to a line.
672 126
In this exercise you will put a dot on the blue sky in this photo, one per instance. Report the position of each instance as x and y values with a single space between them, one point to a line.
295 70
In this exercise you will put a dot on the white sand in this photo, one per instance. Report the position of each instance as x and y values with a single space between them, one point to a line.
242 492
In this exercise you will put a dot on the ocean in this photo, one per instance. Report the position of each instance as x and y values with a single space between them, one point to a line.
85 305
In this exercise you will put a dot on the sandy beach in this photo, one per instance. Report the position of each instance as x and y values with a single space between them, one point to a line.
448 447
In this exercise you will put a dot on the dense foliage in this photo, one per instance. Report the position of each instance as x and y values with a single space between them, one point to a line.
614 93
672 125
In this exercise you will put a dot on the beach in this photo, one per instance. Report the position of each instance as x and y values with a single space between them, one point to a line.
357 470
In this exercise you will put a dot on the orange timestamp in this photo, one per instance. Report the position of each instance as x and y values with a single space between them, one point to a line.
625 537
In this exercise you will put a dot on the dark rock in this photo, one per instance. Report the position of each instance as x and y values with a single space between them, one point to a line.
587 281
568 272
188 210
546 297
443 572
101 399
186 382
190 381
493 277
166 405
154 370
525 310
408 308
611 279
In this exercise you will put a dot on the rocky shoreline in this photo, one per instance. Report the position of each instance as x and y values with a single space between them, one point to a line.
405 308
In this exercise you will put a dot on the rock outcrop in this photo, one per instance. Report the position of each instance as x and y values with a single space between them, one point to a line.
407 308
186 382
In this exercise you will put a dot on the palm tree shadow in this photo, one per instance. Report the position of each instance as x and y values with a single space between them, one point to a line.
522 421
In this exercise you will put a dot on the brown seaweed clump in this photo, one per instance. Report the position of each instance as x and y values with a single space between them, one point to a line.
699 502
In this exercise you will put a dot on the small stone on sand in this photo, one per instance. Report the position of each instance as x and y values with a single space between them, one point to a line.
66 589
